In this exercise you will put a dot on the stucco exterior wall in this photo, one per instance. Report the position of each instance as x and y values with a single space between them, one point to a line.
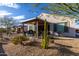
71 29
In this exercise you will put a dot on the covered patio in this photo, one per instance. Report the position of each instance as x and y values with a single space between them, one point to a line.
38 25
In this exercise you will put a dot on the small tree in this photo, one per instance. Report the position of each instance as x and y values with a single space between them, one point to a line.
7 23
45 36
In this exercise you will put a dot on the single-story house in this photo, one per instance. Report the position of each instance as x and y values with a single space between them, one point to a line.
19 28
56 23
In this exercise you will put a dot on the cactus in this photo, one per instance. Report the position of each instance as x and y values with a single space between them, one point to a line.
45 36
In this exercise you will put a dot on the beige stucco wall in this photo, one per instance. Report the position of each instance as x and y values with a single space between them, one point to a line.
57 19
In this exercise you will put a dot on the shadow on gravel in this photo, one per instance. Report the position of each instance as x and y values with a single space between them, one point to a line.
32 43
64 50
2 52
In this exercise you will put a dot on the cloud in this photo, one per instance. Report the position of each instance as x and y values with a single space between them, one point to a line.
19 17
11 5
3 13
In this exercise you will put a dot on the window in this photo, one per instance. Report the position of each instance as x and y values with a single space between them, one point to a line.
66 27
77 21
61 27
55 27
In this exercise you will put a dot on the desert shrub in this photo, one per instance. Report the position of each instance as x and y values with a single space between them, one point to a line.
19 39
1 40
13 30
2 30
51 37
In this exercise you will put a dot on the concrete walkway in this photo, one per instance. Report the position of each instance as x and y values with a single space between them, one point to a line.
67 38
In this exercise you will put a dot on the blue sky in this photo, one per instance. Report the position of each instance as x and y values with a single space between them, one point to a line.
21 11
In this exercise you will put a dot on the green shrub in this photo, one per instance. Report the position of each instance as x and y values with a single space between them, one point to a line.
19 39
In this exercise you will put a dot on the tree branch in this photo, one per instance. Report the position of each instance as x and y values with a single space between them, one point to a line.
70 8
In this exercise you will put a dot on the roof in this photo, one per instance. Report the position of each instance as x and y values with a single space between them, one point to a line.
28 20
54 18
57 15
50 18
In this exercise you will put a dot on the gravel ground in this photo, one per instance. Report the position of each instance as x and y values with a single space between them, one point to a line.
20 50
56 48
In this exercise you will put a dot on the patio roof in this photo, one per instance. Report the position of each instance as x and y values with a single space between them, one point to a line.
32 21
28 20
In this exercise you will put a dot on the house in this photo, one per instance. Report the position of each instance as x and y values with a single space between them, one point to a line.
56 23
19 28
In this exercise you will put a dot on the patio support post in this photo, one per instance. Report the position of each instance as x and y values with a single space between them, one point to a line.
23 30
37 29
